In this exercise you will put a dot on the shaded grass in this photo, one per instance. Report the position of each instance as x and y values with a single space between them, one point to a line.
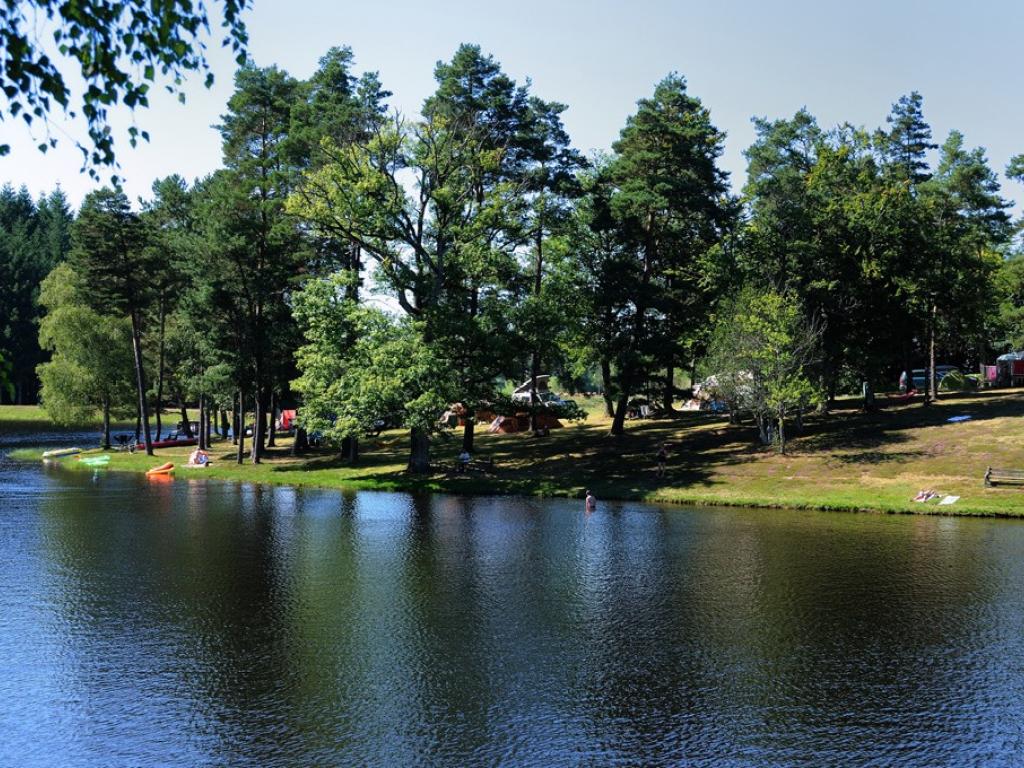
844 460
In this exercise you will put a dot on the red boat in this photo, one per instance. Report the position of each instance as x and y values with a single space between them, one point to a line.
170 443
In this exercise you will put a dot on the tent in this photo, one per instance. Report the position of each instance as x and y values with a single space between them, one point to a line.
286 420
507 425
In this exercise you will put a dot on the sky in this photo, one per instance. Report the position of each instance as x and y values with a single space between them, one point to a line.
844 61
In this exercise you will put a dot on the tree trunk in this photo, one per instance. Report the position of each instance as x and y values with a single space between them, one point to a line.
419 451
224 424
534 398
619 422
206 422
271 442
908 363
628 372
538 276
301 442
199 433
933 382
160 372
106 424
240 431
349 449
606 382
782 434
258 436
236 424
468 433
670 386
143 407
186 424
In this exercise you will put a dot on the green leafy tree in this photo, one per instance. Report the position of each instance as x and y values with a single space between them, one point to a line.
337 106
118 50
599 279
33 239
384 373
409 197
474 97
760 357
1008 332
91 364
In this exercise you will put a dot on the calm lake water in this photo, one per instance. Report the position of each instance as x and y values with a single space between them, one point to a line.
207 624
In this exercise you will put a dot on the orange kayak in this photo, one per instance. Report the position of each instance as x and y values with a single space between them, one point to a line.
163 469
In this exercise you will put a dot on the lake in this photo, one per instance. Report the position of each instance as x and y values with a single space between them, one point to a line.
192 623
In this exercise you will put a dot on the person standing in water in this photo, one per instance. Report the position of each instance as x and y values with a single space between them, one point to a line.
591 502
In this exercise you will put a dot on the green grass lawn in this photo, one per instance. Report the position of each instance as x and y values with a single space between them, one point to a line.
32 418
844 460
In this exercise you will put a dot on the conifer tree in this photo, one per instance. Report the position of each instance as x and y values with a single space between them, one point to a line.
110 257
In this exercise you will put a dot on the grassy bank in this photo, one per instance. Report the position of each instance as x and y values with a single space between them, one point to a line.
32 418
845 460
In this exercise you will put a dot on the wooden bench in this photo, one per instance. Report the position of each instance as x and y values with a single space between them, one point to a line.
995 476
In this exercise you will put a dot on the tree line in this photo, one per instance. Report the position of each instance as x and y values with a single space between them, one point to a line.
374 268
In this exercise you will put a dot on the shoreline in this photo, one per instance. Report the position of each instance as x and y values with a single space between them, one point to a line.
843 460
460 485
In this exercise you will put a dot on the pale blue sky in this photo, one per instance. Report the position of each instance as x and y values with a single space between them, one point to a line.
844 61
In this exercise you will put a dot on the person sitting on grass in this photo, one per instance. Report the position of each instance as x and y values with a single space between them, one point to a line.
199 458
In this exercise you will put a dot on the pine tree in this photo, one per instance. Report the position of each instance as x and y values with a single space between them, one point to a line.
670 201
110 256
905 145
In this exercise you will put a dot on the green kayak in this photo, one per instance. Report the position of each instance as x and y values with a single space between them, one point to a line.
95 461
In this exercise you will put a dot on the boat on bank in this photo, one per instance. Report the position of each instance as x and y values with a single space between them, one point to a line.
58 453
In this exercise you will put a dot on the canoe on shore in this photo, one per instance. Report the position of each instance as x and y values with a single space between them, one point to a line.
57 453
95 461
163 469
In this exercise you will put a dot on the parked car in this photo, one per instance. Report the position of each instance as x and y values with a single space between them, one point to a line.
546 398
920 375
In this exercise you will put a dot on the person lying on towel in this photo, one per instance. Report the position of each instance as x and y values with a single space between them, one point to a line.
199 458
